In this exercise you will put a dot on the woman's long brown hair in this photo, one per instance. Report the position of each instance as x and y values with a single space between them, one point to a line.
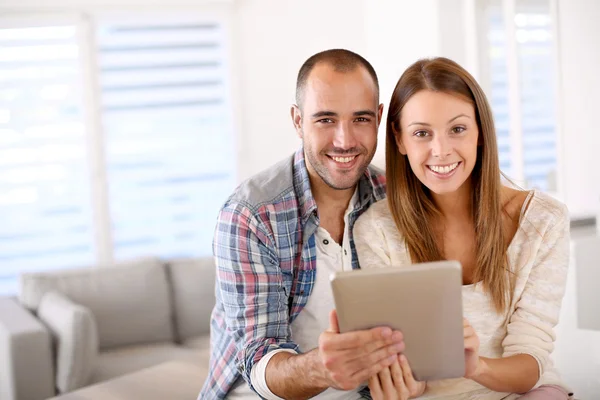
410 201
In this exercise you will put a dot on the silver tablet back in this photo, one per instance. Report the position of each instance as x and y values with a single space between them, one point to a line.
423 301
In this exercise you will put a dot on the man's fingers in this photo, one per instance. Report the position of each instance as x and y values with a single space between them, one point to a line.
379 338
365 360
333 322
364 342
371 364
357 361
363 374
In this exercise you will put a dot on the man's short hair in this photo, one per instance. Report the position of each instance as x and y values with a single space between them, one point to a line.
341 60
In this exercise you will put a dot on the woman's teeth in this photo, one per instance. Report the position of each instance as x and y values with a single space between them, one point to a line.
443 169
343 159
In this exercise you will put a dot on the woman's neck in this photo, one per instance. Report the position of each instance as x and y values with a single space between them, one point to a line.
456 205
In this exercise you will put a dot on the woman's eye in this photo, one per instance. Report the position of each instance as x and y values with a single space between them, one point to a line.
421 134
458 129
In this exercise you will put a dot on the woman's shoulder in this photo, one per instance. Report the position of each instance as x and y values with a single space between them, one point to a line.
379 209
544 207
377 216
542 214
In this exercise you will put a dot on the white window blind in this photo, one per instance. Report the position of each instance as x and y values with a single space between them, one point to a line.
45 208
159 92
168 131
499 86
535 46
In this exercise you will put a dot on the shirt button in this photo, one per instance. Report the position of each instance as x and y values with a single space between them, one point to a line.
325 241
345 252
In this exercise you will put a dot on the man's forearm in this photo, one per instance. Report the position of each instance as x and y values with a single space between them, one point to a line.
515 374
296 376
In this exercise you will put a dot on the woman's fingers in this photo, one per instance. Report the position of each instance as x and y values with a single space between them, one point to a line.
375 388
397 376
467 328
414 387
407 374
387 384
470 342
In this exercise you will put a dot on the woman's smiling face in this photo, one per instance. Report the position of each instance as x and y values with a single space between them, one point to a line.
439 135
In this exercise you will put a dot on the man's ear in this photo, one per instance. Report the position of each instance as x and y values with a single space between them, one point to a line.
297 119
379 114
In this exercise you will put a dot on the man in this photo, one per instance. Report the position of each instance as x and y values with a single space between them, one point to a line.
283 232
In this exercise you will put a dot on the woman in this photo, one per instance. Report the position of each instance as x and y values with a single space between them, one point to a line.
446 201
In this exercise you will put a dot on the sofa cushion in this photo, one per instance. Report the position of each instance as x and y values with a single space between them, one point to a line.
130 302
198 342
193 284
120 361
202 345
74 330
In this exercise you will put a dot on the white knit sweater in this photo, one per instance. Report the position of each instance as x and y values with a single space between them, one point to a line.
538 253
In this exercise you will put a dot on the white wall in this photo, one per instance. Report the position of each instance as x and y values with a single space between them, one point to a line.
274 38
579 33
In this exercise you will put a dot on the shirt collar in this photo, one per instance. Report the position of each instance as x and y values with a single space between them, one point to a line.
306 202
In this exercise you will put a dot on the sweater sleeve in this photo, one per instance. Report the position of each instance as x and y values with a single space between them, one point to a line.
530 328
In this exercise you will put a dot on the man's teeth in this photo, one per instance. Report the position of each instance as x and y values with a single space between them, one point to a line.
443 169
343 159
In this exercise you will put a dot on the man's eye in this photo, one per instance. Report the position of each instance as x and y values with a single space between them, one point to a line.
362 119
421 134
325 120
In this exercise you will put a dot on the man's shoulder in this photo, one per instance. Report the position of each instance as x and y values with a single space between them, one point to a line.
378 181
266 186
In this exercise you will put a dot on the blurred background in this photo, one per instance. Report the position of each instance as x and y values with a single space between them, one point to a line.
124 125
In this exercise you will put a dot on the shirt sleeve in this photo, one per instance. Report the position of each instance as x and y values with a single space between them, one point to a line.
251 287
258 376
531 326
370 242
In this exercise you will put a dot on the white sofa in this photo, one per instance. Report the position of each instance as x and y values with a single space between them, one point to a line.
70 329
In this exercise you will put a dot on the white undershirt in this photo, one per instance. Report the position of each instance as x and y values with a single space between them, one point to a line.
314 317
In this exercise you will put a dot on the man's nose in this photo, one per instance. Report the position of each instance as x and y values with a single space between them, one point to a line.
344 136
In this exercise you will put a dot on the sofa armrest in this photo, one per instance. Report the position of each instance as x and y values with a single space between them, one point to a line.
26 371
76 337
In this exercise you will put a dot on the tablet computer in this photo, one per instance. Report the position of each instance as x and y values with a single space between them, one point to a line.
424 301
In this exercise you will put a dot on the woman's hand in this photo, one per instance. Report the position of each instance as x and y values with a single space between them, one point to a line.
472 360
396 382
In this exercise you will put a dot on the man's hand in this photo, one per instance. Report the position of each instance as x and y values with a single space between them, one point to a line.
350 359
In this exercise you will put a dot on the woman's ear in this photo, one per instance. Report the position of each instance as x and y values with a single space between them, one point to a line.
398 137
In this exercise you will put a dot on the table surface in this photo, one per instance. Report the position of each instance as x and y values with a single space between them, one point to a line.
170 380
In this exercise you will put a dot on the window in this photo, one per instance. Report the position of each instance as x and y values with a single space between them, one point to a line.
519 58
116 140
45 203
168 135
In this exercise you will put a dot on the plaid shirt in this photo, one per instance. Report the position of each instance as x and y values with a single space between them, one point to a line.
265 252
